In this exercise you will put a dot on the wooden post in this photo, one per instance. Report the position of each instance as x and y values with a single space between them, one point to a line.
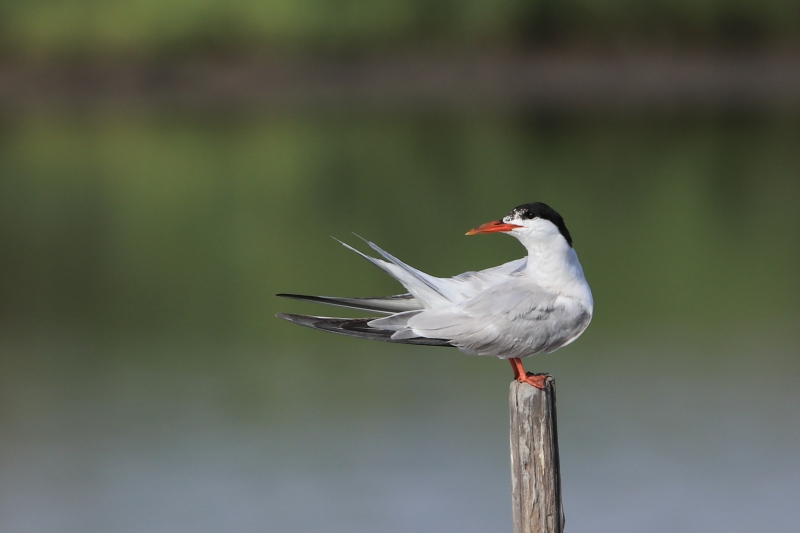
535 472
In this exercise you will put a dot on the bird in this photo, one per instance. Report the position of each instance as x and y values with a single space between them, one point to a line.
536 304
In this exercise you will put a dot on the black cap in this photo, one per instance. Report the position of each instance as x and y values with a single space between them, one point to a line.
543 211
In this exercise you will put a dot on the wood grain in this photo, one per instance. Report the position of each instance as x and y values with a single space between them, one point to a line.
535 470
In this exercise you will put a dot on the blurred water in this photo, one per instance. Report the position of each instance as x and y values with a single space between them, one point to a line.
146 385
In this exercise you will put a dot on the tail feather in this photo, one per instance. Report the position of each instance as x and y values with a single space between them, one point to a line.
357 327
428 280
383 265
422 286
383 304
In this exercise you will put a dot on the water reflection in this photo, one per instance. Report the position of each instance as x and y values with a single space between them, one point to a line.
146 385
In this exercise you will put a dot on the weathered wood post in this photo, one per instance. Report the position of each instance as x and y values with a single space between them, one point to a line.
535 472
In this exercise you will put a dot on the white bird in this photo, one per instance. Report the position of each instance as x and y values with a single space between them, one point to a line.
536 304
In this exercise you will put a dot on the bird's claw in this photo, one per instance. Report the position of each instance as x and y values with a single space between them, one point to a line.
537 380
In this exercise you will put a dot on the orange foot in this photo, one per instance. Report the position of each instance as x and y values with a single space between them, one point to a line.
537 380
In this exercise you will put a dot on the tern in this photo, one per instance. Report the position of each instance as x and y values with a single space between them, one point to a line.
535 304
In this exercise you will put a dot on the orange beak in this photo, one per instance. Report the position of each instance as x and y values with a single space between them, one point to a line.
493 227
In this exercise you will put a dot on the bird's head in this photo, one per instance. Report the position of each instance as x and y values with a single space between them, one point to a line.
536 222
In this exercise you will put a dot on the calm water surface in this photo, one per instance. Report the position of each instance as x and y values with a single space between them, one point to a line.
145 385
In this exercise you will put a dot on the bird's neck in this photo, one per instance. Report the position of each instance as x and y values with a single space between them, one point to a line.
555 266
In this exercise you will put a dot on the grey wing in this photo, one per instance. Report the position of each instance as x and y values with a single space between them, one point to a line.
516 318
471 284
425 288
358 327
384 304
506 269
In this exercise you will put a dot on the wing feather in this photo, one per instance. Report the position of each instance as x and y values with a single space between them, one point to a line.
438 285
514 319
357 327
419 284
385 304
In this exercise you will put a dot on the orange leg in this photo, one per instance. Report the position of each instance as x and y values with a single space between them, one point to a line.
537 380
